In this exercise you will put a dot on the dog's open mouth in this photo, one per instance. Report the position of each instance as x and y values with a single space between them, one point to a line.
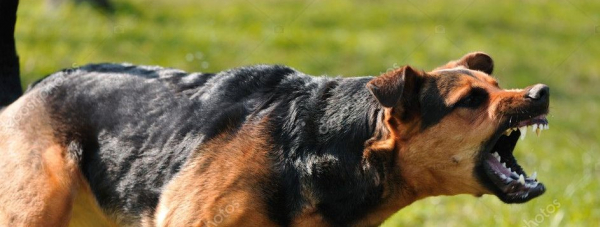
512 184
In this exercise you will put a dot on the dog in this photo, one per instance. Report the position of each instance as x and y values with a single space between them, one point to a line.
266 145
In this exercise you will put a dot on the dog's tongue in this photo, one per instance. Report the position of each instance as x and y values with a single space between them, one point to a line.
496 165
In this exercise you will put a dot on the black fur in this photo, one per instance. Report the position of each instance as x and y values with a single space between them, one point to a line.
433 98
320 144
137 126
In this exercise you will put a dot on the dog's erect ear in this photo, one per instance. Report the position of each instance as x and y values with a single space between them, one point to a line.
388 87
475 61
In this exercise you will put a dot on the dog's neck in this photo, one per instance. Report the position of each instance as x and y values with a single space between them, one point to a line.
343 122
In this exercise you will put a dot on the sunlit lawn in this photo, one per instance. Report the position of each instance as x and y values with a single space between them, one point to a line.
531 42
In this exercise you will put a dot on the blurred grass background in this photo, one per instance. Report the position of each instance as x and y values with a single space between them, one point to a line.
531 42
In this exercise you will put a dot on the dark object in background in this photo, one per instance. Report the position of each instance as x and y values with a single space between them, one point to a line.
10 84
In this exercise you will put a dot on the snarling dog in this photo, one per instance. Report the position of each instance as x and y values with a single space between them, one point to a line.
117 144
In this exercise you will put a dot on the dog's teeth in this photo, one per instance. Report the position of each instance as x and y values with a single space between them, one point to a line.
522 179
534 127
496 155
513 174
547 126
532 184
509 170
523 131
504 165
534 176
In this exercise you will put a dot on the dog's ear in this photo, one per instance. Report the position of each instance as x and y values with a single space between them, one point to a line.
476 61
388 88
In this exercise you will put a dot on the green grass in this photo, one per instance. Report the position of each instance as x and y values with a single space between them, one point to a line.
531 42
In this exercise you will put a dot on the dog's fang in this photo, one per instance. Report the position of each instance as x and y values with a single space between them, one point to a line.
522 179
523 131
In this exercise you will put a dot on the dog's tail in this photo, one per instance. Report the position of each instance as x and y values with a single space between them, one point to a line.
10 83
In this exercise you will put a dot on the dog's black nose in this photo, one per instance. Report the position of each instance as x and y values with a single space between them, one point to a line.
538 92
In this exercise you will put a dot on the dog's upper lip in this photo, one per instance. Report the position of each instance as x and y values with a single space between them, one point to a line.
537 123
541 119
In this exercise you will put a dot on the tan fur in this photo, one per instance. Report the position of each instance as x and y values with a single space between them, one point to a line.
86 211
39 179
308 218
220 186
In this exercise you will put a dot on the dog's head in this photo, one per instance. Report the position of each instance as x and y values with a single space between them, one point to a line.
454 129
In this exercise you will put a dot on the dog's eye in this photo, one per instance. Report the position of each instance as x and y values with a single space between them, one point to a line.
475 98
